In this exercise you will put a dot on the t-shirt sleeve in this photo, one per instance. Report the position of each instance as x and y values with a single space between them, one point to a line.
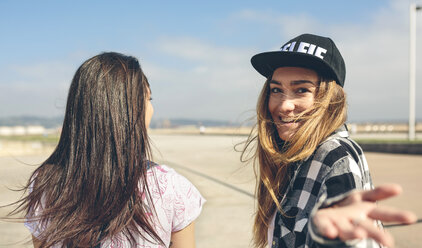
31 222
33 226
188 202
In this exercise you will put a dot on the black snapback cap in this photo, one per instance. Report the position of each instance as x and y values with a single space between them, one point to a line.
307 50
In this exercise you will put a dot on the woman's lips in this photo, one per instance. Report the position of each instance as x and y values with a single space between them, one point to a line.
286 120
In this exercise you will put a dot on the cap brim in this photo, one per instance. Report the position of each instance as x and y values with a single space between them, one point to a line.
266 63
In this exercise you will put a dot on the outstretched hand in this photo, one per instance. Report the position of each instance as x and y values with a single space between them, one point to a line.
353 218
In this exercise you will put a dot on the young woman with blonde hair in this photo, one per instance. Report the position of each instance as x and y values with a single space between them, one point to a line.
99 188
308 169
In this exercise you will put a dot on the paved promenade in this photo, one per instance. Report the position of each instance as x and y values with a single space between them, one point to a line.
211 163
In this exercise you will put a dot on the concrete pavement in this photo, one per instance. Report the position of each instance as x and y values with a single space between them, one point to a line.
213 166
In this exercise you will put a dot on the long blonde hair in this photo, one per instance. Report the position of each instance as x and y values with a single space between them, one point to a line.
271 160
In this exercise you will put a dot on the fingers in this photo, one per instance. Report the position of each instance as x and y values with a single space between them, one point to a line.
332 223
390 214
353 218
324 225
361 228
348 231
372 231
381 192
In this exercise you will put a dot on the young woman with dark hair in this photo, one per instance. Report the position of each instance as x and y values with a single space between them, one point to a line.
308 169
99 188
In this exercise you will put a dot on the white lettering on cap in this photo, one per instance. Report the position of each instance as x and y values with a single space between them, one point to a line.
319 51
289 47
305 47
311 49
292 46
286 47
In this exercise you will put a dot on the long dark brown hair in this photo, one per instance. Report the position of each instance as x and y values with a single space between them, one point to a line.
91 186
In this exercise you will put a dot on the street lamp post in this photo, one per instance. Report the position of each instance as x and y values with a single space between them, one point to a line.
412 70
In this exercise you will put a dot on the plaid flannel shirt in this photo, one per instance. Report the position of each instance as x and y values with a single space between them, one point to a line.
337 167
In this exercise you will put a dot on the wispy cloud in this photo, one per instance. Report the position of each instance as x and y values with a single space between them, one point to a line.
197 76
216 82
376 55
35 89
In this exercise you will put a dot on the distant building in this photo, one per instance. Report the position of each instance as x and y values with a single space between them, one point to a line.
6 131
202 129
21 130
35 130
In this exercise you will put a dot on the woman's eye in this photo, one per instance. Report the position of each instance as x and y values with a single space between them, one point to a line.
275 90
302 90
150 98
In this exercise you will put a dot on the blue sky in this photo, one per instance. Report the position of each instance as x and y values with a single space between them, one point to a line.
196 54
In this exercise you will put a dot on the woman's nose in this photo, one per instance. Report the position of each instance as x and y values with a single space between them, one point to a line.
286 105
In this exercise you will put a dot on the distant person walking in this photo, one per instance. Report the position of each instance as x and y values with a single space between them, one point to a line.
308 168
100 188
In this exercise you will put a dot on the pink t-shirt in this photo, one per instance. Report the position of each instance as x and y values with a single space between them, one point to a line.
177 203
